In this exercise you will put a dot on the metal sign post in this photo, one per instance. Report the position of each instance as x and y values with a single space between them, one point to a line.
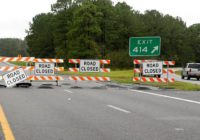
167 74
140 73
56 74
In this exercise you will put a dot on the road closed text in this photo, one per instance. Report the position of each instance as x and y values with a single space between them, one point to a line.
152 71
89 66
151 68
14 77
44 68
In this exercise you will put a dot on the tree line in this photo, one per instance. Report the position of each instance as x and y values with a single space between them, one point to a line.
98 29
12 47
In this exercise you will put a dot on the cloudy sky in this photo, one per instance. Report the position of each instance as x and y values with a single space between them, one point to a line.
188 10
15 15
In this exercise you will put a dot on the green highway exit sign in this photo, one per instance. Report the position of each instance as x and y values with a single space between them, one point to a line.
144 46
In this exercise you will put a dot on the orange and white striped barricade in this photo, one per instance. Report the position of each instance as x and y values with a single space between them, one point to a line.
10 68
171 71
15 59
45 78
164 71
46 70
153 79
170 63
47 60
6 68
89 78
26 68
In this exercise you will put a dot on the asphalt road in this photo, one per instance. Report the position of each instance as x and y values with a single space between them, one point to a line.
100 111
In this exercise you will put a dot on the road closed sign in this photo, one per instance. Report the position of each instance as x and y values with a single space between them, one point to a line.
44 68
89 66
152 68
14 77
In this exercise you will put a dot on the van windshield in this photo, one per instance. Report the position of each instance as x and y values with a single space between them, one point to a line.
194 66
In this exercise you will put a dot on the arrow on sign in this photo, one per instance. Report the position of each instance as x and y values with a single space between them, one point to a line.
155 49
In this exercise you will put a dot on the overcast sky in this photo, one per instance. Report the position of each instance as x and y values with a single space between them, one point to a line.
188 10
15 15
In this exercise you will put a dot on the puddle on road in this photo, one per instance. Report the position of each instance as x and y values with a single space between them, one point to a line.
101 87
66 84
23 85
76 87
141 88
46 86
2 86
116 86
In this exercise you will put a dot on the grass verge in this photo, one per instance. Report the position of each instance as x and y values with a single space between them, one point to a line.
125 76
178 72
19 63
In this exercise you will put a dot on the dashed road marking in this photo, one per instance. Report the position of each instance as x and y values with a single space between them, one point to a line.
68 91
5 126
179 129
119 109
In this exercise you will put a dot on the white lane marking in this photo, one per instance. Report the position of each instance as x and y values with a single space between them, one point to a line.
69 99
179 129
119 109
68 91
170 97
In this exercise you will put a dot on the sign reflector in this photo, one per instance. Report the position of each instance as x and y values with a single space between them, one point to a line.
14 77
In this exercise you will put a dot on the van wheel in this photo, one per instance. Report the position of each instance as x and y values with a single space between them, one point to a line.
188 78
182 77
198 78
